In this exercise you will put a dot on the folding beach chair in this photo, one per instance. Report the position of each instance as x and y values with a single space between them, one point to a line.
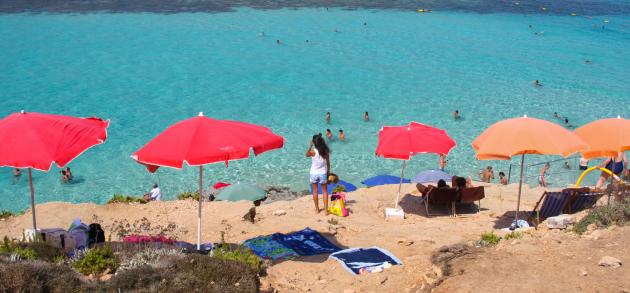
443 196
471 195
553 203
580 199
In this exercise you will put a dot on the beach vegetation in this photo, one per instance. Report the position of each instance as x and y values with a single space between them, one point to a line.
238 253
333 221
513 235
605 216
39 276
189 195
489 239
5 214
23 250
119 198
95 261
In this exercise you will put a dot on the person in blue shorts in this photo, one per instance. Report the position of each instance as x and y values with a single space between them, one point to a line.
319 153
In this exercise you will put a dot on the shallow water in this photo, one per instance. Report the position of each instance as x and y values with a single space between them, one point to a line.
146 71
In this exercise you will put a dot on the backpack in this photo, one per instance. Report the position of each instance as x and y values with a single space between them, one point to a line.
95 234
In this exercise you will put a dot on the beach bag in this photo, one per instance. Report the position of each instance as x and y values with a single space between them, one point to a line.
338 205
95 234
59 238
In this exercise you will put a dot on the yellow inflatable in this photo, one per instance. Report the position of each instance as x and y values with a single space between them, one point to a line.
577 183
424 10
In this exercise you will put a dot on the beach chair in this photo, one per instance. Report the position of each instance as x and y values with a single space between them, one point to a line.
442 196
471 195
550 204
580 199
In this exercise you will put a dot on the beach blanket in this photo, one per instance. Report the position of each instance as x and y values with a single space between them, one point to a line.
362 260
267 248
306 242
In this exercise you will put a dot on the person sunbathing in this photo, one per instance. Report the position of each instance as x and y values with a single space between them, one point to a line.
425 190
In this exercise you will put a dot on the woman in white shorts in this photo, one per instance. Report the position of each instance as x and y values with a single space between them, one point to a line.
320 166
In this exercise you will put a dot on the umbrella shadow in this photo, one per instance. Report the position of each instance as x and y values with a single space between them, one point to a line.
412 204
507 218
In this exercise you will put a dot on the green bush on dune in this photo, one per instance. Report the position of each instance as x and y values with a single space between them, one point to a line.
489 239
119 198
189 195
605 216
96 261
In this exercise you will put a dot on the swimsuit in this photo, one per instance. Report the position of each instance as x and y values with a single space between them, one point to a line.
616 168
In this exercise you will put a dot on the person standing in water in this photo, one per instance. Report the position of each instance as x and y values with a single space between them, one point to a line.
17 173
342 136
442 162
456 114
366 116
329 135
319 153
327 117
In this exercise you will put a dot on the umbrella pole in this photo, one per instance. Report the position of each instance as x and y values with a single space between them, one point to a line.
402 175
199 208
520 188
30 183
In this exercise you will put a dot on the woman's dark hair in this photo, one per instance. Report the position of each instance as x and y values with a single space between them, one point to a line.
441 183
460 182
501 174
320 145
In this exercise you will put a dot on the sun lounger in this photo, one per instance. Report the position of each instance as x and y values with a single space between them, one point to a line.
472 195
581 198
441 196
550 204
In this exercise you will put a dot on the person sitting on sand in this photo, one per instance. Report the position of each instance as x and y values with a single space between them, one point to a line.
502 179
329 135
319 153
486 175
543 173
342 136
327 117
17 173
154 194
366 116
442 162
460 183
537 83
456 114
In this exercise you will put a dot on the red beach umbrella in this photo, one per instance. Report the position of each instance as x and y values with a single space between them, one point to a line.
202 140
36 141
403 142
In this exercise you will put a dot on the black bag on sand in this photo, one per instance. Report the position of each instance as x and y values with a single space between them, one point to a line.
95 234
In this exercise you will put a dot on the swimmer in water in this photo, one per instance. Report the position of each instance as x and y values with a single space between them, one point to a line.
336 30
587 61
456 115
365 24
537 83
566 123
307 41
366 117
262 34
342 136
17 172
327 117
329 135
278 42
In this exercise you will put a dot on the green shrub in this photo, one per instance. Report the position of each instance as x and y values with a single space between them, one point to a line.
17 248
4 214
189 195
240 254
96 261
605 216
513 235
489 239
119 198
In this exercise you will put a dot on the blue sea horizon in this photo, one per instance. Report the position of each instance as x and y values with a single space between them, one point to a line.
146 71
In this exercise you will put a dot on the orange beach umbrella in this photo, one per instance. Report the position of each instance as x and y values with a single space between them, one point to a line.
605 137
522 136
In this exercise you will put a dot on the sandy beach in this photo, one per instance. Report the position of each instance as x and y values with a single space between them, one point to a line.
412 240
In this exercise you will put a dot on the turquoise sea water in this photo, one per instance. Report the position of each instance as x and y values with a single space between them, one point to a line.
146 71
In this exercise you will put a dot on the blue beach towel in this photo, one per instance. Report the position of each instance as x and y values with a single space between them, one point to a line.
306 242
267 248
355 259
